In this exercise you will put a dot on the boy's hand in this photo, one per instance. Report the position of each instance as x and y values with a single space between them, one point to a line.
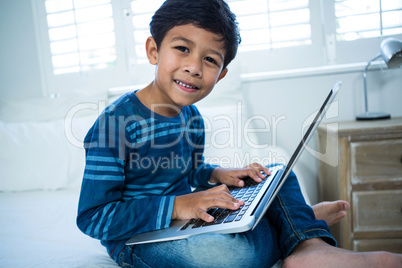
233 176
195 205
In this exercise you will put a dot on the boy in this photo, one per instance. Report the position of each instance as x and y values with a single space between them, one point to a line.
145 151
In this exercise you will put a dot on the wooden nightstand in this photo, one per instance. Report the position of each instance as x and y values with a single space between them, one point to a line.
363 166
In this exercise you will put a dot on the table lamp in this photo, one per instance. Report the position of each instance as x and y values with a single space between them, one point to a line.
391 52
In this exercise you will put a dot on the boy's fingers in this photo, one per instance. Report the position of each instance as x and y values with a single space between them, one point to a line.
236 182
217 202
221 199
219 188
255 175
223 196
241 173
256 169
203 215
228 204
221 192
267 171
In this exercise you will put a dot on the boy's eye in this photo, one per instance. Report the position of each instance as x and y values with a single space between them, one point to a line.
182 49
211 60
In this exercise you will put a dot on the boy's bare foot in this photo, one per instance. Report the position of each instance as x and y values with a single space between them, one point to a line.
316 253
331 212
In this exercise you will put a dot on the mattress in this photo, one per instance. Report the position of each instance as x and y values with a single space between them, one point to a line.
37 229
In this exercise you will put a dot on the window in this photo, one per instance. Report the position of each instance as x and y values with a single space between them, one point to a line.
263 24
97 44
272 24
81 35
142 11
371 18
353 30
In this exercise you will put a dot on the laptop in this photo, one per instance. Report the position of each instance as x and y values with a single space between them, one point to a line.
257 197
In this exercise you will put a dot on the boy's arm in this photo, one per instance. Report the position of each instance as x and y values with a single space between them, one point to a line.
104 215
103 212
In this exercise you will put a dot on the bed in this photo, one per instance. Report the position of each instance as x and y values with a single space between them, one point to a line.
38 230
42 162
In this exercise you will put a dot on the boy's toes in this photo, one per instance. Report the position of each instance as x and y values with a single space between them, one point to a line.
335 206
339 216
331 212
342 205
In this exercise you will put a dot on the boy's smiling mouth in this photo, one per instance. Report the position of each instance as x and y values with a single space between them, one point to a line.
180 83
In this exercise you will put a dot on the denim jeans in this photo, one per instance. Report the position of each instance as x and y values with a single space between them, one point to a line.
288 221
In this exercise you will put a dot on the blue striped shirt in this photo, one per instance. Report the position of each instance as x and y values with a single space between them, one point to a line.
137 161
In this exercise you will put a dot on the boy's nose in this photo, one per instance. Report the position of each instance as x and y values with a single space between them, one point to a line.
193 67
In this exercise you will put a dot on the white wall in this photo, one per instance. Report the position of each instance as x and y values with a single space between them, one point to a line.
20 70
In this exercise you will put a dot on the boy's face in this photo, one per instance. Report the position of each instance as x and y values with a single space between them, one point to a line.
188 63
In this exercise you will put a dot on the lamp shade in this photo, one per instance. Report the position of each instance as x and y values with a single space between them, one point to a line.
391 52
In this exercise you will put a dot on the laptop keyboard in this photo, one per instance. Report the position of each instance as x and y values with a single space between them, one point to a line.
247 193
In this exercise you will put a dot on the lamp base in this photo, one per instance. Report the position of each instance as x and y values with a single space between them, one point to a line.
373 116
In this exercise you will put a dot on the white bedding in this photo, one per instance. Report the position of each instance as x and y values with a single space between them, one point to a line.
37 229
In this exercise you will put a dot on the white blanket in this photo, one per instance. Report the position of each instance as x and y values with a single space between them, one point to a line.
37 229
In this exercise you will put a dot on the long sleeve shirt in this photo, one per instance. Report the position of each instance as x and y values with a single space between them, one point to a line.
137 161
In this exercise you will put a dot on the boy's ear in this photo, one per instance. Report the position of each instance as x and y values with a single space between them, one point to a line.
152 50
222 75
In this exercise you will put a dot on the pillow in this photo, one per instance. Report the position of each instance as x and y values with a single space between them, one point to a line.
46 109
37 151
42 155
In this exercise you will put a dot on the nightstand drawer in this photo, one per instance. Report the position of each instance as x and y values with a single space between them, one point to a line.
391 245
369 177
376 161
378 211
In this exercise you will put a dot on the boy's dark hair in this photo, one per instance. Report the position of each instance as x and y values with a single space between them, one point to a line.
212 15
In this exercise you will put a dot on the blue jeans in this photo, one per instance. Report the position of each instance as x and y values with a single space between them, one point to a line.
288 221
